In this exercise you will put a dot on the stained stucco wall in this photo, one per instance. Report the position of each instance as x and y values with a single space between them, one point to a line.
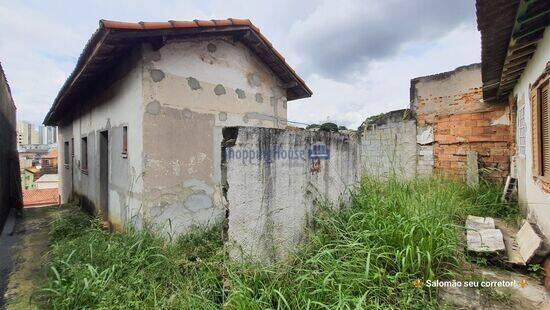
270 199
119 105
389 146
10 187
452 120
191 90
534 200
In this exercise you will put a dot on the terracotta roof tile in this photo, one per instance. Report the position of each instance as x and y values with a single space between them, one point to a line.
35 197
240 22
183 24
222 22
205 23
119 25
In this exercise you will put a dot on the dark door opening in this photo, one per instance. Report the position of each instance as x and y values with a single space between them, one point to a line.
104 174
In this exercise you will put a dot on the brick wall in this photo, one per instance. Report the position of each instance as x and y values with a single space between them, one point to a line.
451 105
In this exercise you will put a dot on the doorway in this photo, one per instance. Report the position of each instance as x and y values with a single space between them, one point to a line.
104 174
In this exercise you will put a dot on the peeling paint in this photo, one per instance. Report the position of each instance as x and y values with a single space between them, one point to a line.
222 116
259 98
503 120
254 80
153 107
219 90
211 47
157 75
193 83
240 93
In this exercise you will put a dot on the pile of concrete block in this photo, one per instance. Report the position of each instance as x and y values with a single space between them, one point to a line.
484 236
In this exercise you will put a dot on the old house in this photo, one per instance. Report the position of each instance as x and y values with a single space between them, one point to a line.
49 161
10 190
140 119
516 70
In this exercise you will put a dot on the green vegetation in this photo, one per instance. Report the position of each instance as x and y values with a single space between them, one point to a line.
364 256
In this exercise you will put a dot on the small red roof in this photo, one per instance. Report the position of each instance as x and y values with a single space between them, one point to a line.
50 155
35 197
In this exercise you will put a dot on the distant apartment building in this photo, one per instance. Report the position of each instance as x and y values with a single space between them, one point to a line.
24 132
27 134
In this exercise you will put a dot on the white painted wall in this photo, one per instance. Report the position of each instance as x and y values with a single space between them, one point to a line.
118 106
271 201
183 121
532 198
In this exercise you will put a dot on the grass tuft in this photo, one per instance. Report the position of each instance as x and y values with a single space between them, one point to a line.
364 256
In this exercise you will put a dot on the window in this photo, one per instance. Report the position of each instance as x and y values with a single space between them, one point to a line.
521 130
125 141
66 153
84 154
540 119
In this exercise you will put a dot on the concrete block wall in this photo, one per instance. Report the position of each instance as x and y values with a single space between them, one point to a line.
389 146
270 197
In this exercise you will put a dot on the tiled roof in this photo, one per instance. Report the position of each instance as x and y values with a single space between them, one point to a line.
114 38
35 197
510 31
50 155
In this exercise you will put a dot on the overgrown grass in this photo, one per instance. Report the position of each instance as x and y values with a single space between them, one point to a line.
364 256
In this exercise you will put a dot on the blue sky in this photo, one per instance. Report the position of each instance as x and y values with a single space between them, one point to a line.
357 56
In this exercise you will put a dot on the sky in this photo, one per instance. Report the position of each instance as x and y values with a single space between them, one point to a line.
357 56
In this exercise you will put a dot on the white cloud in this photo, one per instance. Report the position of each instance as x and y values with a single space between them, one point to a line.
357 55
385 83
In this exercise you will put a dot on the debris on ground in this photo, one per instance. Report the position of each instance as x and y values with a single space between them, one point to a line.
482 236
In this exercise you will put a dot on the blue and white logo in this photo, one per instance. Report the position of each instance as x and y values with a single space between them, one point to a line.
319 151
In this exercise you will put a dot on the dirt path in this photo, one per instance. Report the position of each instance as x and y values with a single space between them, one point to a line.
24 257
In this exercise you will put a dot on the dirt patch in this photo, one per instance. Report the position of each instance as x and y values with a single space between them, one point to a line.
29 256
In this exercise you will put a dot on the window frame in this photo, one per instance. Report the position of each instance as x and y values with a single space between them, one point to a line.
537 144
84 154
66 154
124 141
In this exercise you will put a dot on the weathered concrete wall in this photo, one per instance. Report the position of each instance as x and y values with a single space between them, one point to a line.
117 106
270 198
450 105
533 197
10 180
389 145
191 89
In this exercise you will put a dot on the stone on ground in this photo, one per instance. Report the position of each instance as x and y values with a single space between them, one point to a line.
528 241
485 240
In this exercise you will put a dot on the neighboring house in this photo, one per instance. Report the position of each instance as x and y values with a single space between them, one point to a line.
10 188
141 118
47 181
40 197
515 37
49 160
28 177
